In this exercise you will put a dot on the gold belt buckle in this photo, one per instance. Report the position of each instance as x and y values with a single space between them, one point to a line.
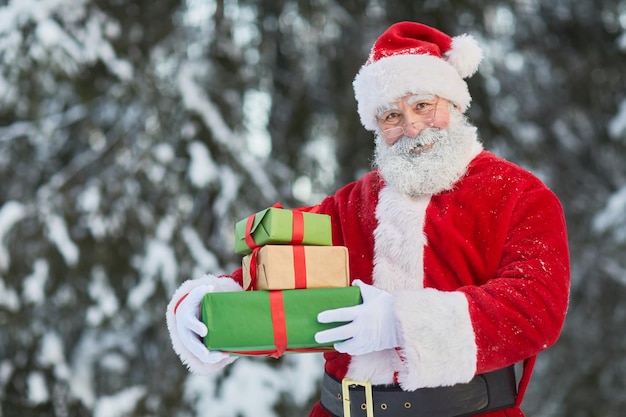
345 394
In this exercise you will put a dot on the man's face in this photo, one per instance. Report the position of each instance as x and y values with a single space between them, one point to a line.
411 114
427 157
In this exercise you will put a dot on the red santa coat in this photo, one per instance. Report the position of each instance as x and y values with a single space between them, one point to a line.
480 275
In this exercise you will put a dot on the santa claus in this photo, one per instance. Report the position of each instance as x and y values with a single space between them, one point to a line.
461 256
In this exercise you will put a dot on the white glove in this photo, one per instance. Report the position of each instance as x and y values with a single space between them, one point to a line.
372 325
191 329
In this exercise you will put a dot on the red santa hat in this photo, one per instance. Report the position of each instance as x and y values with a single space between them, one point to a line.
409 58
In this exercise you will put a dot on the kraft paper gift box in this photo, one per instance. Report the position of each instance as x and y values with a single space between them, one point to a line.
282 267
282 226
271 322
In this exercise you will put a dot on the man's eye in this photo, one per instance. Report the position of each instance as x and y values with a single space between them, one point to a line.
423 107
392 118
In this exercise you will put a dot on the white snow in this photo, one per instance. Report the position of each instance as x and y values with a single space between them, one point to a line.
202 170
204 258
89 198
10 213
51 35
37 388
35 283
158 262
613 216
321 150
59 235
89 201
106 302
253 387
120 403
8 297
51 354
94 348
617 125
163 152
302 188
621 41
6 370
256 108
71 42
196 101
230 182
199 12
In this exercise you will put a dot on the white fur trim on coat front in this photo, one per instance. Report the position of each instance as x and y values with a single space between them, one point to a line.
439 342
375 367
398 264
194 365
399 241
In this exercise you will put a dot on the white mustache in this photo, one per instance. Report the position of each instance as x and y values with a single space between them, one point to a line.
407 145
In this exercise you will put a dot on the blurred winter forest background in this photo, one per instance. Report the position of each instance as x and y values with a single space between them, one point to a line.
133 134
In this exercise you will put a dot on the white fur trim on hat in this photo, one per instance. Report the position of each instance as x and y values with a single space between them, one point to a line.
464 55
385 81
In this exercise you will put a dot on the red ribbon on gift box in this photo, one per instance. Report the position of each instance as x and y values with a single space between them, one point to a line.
253 270
299 268
279 323
299 258
297 228
248 236
277 308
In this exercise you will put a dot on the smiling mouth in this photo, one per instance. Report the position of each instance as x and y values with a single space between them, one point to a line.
419 149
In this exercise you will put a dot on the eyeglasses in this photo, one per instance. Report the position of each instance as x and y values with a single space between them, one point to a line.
393 123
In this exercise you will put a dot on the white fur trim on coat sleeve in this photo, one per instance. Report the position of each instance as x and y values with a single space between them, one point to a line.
194 365
439 341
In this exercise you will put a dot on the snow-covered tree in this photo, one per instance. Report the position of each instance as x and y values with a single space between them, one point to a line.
133 134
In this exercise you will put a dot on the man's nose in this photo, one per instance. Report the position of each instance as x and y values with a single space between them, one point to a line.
412 130
415 127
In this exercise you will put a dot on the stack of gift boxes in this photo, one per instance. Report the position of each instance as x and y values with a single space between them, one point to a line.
291 272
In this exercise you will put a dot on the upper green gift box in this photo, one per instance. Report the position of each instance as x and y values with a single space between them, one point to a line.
281 226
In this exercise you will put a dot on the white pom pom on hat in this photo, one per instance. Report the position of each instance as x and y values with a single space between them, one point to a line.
411 57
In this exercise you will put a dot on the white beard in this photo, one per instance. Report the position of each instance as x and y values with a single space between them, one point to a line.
430 171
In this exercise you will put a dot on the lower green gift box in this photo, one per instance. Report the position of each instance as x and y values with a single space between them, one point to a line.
271 322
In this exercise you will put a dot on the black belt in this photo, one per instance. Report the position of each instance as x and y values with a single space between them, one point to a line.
485 392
